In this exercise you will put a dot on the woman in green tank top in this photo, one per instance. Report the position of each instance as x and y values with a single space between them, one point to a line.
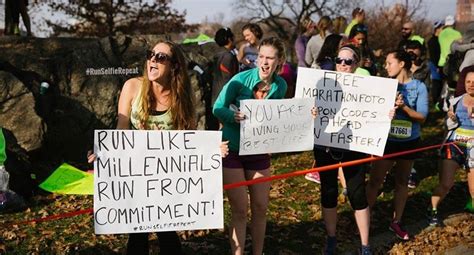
151 102
162 99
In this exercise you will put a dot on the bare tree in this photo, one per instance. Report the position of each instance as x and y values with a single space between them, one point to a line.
406 10
284 16
109 17
385 22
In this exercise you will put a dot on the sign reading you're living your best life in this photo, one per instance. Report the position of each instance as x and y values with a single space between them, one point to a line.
152 181
277 125
353 109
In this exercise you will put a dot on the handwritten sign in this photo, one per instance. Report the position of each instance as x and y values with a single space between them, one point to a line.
152 181
353 109
272 126
67 179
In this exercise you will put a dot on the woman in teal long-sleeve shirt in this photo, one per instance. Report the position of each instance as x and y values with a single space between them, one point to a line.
261 82
242 86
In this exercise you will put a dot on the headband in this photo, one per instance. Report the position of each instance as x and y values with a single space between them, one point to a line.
356 56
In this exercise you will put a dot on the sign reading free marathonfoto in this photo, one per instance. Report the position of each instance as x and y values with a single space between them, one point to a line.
353 109
152 181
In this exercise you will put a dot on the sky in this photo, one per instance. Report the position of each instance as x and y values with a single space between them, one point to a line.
199 10
223 11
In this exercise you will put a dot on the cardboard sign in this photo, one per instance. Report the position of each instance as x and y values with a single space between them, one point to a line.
67 179
353 109
152 181
272 126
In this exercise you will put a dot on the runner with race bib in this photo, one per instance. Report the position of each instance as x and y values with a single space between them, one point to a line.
412 109
459 154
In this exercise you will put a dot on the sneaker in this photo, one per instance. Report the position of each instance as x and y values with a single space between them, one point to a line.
469 207
365 250
433 218
314 177
396 228
331 244
412 180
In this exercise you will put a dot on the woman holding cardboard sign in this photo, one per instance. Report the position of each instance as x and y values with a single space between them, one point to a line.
160 100
412 109
346 61
151 102
257 83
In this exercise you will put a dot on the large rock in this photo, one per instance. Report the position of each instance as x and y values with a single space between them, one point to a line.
58 126
17 112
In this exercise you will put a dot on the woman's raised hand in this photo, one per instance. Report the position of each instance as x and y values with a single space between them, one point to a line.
239 116
314 112
391 113
224 148
399 103
451 113
91 157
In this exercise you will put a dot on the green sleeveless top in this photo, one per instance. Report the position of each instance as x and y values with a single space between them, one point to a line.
156 121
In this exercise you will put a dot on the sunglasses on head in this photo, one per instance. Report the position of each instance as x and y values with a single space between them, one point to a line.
160 57
347 61
361 29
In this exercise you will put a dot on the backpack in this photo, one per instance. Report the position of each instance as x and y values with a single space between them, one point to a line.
451 68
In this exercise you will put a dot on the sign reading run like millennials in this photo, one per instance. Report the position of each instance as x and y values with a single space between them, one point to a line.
353 109
152 181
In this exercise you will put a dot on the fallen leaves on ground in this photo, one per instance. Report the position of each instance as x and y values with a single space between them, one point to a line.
294 226
457 233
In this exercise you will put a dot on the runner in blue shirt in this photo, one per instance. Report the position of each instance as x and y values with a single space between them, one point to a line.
412 109
459 154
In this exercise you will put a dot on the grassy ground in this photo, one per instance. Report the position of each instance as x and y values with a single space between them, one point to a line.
294 217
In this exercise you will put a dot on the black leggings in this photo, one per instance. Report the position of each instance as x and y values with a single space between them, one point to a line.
354 175
436 88
169 243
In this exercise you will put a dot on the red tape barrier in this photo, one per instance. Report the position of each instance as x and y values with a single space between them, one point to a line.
329 167
57 216
260 180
